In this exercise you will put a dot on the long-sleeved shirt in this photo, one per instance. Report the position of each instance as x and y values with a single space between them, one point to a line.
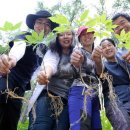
18 50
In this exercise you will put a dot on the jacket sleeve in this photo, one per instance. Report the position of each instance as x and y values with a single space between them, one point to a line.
51 59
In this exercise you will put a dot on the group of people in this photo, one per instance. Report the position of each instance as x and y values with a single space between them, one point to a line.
71 77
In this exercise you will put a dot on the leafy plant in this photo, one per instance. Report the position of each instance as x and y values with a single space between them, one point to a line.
64 24
124 39
10 31
102 26
36 39
83 18
8 26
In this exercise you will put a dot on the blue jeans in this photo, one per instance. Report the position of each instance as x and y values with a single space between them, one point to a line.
45 119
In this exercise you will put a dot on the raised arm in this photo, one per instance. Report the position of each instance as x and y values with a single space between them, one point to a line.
9 61
96 56
77 58
48 67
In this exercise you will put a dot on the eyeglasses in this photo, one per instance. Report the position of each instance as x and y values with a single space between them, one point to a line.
43 23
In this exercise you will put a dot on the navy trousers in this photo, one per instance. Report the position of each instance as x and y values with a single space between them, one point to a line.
10 108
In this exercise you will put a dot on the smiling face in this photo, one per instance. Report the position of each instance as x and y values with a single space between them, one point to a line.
108 50
65 39
86 39
42 25
122 23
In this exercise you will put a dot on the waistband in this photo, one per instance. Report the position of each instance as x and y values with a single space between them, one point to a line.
44 93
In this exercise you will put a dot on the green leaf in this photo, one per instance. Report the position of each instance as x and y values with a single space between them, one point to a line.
84 15
35 38
51 36
90 23
30 39
127 46
122 34
96 34
90 30
4 49
114 26
17 26
117 36
105 34
61 29
3 29
60 19
125 38
121 45
40 37
34 35
8 26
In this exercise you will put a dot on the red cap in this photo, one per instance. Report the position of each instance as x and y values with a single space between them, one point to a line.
81 29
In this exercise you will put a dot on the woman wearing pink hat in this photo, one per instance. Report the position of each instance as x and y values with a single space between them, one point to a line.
83 100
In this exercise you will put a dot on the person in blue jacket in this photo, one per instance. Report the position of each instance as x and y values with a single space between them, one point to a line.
118 69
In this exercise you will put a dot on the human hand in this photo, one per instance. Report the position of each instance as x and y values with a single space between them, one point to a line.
42 78
77 58
96 57
126 57
96 54
6 63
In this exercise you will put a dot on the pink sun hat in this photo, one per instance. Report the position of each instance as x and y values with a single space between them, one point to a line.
81 29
